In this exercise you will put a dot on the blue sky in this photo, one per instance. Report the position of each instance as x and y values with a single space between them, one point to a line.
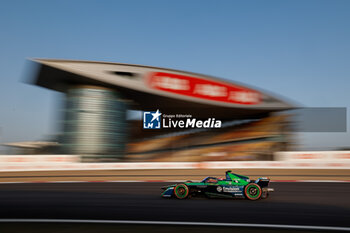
297 49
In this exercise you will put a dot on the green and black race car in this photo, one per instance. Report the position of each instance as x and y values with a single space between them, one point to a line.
233 186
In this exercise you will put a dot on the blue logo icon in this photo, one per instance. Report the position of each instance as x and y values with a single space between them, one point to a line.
151 120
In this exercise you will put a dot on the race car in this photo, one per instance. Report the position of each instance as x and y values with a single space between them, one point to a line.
233 186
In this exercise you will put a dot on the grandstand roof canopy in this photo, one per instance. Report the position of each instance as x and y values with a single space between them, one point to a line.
152 88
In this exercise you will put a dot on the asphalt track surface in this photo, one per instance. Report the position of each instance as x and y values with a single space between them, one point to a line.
317 204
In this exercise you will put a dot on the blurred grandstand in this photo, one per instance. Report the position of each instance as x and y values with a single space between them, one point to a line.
255 140
99 94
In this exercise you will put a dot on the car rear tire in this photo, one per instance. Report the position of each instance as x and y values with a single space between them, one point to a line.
181 191
252 191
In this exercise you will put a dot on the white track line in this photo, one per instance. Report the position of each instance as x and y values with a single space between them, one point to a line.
278 226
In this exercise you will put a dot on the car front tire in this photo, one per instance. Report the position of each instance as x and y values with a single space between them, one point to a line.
181 191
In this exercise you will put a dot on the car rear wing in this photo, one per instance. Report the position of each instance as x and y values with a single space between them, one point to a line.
263 181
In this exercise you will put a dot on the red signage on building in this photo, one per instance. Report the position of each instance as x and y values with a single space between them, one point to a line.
203 89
